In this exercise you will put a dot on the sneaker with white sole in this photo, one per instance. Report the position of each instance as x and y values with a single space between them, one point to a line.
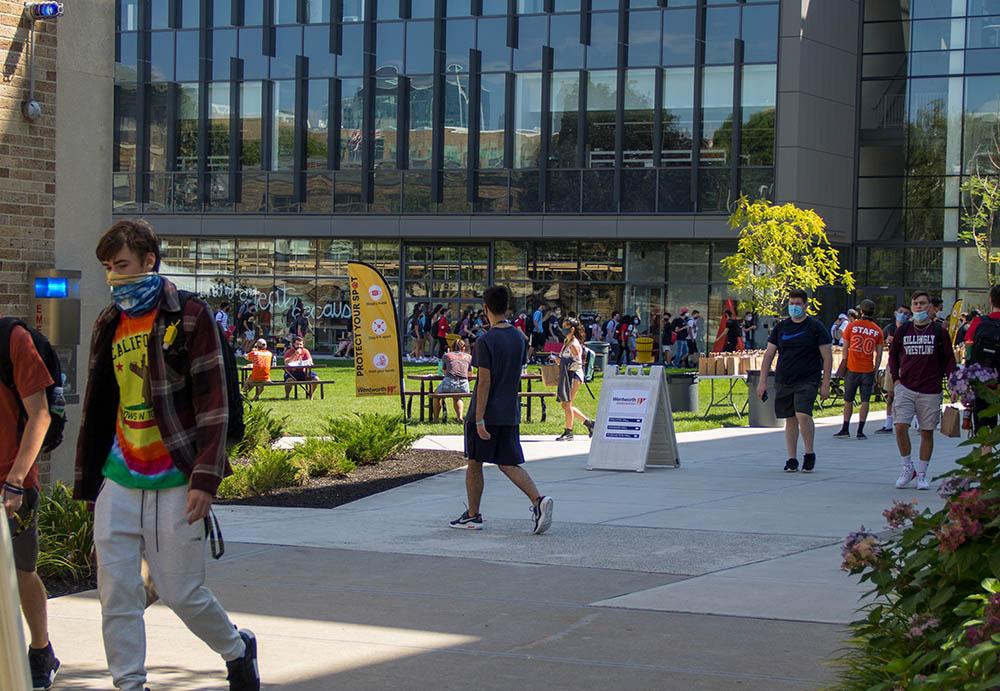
792 465
244 675
922 482
905 477
467 522
541 515
44 667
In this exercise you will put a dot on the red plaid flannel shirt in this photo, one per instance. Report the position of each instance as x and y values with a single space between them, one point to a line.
188 386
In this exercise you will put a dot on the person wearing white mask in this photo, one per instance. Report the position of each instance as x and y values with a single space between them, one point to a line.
804 370
920 356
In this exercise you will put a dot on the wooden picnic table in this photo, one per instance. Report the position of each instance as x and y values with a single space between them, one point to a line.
245 370
427 386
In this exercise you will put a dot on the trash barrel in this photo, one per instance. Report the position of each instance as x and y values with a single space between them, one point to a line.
683 390
644 350
600 349
762 412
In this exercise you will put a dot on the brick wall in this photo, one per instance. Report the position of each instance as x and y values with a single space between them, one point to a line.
27 157
27 163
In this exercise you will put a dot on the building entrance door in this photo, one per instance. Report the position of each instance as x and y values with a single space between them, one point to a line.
886 301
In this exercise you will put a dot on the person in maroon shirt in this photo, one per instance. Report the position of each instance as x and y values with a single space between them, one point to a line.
19 494
920 356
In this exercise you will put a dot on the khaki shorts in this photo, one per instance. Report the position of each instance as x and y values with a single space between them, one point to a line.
889 386
926 407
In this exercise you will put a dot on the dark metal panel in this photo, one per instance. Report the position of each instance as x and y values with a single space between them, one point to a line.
696 129
333 131
235 129
581 122
475 96
508 134
403 126
737 131
301 108
546 129
437 138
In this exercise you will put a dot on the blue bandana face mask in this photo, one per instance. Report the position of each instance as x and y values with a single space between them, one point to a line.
136 294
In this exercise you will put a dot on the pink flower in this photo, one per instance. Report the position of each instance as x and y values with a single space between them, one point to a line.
860 549
900 513
920 625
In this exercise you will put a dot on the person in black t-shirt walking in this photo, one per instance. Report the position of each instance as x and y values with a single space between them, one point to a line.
492 433
804 370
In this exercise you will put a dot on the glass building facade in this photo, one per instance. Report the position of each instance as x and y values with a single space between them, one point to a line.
930 99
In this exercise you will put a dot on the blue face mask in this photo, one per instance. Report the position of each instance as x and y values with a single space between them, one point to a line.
901 318
137 294
796 311
920 316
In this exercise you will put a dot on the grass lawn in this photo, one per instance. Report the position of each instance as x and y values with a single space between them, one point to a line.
305 418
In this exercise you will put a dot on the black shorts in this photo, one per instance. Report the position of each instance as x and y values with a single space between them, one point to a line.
300 375
24 530
502 448
797 397
855 381
538 341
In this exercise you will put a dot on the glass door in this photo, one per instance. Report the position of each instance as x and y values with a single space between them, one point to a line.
886 301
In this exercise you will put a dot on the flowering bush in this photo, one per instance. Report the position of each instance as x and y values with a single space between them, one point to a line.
934 621
965 381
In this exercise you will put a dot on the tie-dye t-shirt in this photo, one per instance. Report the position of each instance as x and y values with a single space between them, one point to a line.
138 458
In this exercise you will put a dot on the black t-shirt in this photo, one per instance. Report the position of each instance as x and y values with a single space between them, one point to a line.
798 345
680 328
503 352
734 330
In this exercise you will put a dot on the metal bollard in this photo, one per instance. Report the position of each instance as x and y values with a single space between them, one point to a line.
14 672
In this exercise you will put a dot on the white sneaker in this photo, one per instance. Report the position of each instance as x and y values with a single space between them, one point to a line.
905 477
922 482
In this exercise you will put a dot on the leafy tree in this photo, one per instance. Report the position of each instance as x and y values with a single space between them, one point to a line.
981 212
780 248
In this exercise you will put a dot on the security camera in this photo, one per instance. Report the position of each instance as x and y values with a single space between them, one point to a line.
43 10
31 110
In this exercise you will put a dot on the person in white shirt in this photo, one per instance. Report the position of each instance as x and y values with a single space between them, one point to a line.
222 316
693 326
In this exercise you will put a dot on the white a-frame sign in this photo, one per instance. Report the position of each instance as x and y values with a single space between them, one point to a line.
635 425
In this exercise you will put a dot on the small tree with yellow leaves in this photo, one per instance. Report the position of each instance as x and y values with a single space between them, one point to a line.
780 248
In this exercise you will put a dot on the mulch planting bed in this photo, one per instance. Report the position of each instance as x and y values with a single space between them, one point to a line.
326 492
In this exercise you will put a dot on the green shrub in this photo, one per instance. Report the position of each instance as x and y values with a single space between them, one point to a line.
322 458
267 469
263 427
935 620
65 535
369 438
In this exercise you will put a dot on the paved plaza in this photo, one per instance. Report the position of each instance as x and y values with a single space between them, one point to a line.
723 573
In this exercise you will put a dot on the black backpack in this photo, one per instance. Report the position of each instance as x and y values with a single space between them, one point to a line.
986 343
53 394
234 394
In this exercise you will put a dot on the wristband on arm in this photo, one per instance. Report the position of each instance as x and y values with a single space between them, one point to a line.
480 423
12 489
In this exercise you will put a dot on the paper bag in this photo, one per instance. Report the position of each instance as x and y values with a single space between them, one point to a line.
550 375
951 422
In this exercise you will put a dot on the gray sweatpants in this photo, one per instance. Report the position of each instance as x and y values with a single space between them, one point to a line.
127 524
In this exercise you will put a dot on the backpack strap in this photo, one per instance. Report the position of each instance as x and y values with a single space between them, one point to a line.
7 325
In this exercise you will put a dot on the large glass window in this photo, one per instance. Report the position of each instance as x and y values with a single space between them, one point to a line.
492 120
419 43
351 122
389 47
602 95
758 106
252 125
527 120
386 119
187 127
640 100
643 38
567 51
982 105
456 120
722 28
717 116
678 116
421 121
317 123
218 126
283 126
603 49
492 44
678 37
760 33
565 110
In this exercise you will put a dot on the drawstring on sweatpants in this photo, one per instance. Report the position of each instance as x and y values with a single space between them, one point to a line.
156 528
142 509
213 531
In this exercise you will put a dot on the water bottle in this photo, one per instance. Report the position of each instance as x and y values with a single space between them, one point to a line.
58 406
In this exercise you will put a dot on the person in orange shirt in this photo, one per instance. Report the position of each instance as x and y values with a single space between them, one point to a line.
260 357
863 344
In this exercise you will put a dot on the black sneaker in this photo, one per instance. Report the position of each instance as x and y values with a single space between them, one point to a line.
885 431
567 435
791 466
842 434
243 673
862 435
589 424
542 515
808 462
44 667
467 522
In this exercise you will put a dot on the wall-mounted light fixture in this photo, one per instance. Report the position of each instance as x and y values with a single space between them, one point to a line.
36 12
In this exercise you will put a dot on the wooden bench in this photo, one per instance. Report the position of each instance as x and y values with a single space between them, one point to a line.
318 383
525 397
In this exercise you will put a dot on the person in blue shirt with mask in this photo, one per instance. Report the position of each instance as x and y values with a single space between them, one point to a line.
803 370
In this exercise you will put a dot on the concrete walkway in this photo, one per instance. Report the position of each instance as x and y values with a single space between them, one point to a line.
722 573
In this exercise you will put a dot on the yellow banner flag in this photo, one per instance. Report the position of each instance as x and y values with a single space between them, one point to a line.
378 366
956 314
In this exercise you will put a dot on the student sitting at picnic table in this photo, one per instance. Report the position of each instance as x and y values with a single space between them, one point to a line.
297 361
260 358
455 366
